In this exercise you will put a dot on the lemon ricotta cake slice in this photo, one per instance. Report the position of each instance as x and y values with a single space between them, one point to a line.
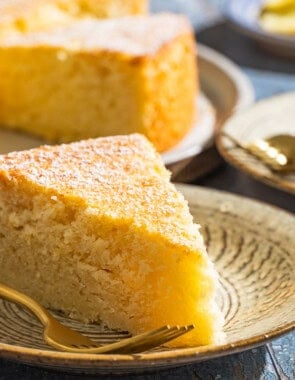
97 230
99 78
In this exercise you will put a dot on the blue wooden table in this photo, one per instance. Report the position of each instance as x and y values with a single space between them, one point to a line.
269 75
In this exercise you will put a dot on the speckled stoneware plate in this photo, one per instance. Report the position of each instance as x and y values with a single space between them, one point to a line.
252 245
225 89
264 119
244 15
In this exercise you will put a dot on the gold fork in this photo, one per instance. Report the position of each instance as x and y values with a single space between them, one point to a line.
277 152
66 339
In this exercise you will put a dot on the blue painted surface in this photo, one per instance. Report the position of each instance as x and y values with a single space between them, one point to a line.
201 13
267 83
244 12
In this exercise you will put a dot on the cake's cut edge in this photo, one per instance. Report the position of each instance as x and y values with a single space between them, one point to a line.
129 63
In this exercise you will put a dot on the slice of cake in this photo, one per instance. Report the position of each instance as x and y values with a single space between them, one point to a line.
99 78
19 16
97 230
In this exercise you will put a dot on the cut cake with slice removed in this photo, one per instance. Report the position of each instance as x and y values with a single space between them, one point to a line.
97 230
100 78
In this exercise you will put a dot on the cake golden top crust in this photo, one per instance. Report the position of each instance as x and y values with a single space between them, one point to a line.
121 177
139 35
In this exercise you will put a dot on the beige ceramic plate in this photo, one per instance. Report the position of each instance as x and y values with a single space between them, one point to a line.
225 89
264 119
252 245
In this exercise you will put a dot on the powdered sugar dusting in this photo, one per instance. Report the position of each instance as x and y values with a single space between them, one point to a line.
137 35
121 177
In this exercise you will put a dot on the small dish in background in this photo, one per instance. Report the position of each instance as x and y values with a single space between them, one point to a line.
278 16
273 116
244 15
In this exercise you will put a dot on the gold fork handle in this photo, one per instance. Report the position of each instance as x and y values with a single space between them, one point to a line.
24 300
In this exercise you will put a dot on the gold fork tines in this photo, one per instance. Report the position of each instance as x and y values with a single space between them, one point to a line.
277 152
66 339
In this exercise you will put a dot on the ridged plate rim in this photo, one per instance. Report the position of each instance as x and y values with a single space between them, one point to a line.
173 358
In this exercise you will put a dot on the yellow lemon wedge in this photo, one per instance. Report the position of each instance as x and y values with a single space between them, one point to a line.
278 16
